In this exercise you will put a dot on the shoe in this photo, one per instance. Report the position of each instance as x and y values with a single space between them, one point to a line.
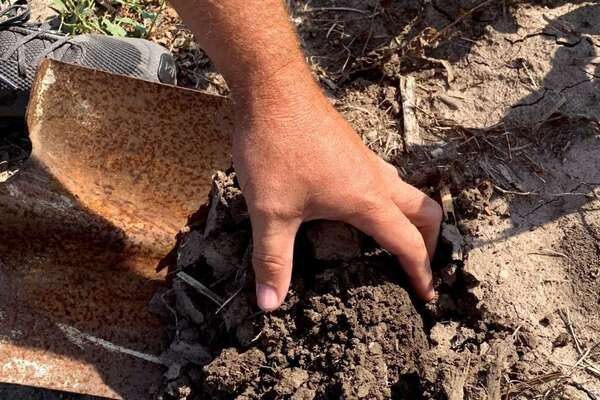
24 45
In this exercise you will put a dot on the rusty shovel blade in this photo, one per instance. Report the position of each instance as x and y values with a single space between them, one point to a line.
118 164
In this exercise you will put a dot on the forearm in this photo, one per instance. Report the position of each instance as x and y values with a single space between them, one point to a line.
252 43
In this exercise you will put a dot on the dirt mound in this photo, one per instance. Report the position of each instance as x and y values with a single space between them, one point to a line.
344 330
350 343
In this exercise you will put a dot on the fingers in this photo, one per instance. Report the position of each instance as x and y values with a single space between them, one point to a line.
272 260
421 210
392 230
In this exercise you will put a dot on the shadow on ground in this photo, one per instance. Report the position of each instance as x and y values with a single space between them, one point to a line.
18 392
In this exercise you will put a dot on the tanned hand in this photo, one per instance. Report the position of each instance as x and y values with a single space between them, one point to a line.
296 158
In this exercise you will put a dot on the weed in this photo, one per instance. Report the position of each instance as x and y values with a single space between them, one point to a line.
116 18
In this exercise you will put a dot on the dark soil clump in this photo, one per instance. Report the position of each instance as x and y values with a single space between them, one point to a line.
347 329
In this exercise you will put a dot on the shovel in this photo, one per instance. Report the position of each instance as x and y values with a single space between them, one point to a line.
117 166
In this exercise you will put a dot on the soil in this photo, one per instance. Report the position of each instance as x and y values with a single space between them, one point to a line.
508 112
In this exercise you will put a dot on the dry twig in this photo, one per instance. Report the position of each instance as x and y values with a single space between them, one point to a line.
229 299
201 288
412 135
340 9
445 29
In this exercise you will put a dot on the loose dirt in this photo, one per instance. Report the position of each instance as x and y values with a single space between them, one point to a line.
508 112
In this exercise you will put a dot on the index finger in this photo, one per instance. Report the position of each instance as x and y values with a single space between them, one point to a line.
421 210
394 231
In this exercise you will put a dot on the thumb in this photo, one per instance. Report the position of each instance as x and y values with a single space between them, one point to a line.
272 260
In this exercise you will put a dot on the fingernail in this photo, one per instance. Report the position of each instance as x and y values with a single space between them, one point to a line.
432 294
266 297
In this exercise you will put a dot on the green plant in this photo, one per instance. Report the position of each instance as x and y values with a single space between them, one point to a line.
116 18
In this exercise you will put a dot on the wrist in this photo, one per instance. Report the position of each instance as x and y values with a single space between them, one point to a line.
272 82
288 92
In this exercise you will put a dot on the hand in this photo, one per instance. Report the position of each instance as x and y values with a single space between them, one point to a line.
297 160
295 157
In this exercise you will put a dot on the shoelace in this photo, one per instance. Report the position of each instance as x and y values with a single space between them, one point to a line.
18 14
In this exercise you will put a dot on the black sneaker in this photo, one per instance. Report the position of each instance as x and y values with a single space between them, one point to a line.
23 45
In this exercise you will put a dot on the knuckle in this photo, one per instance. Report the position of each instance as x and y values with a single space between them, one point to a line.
433 210
269 264
262 207
368 206
274 208
391 171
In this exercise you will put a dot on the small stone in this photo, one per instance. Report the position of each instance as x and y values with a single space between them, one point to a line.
333 241
561 340
291 379
375 348
370 136
528 357
503 275
484 348
437 152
